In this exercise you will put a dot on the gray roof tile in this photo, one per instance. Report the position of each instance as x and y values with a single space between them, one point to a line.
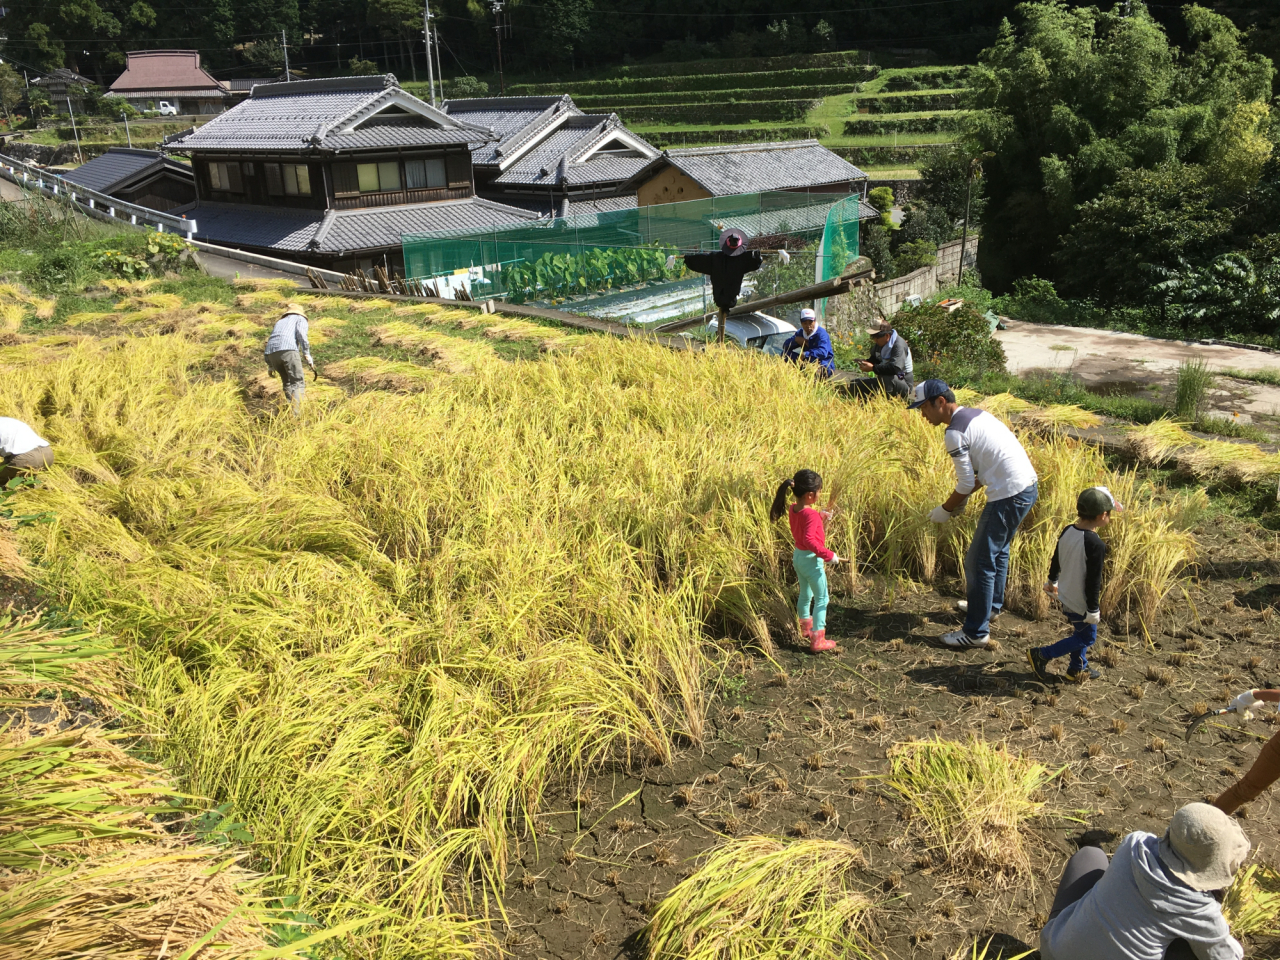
307 113
512 119
754 167
345 230
557 155
103 172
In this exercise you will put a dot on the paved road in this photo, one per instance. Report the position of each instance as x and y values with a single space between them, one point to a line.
1114 362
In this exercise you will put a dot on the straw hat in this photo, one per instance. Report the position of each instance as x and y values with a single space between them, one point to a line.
294 307
1203 847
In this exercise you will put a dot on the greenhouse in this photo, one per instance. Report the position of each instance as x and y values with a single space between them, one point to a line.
613 264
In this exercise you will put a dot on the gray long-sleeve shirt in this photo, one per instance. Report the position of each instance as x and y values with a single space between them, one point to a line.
892 365
1135 911
290 333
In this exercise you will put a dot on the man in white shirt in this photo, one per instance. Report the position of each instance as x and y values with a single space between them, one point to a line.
285 350
985 453
22 449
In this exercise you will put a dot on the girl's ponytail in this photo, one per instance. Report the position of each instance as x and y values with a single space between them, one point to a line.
780 499
805 481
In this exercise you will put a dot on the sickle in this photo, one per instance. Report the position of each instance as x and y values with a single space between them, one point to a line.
1195 724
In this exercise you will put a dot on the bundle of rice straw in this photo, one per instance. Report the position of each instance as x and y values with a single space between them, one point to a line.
1155 443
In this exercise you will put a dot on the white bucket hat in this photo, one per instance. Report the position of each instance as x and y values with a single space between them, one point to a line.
1203 847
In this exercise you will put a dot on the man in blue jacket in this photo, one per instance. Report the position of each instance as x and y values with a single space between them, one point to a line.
812 344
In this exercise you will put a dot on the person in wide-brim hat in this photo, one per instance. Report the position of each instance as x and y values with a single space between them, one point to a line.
1155 899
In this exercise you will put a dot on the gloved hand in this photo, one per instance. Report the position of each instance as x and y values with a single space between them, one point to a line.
835 559
1051 588
939 515
671 262
784 257
1245 703
1093 616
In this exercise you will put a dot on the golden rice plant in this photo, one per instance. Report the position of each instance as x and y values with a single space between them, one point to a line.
255 284
967 397
1252 902
382 633
375 372
366 305
1156 442
85 317
1222 460
130 288
1059 416
973 797
766 898
150 301
980 950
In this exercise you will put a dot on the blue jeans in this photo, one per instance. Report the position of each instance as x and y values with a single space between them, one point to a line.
986 565
1082 638
812 576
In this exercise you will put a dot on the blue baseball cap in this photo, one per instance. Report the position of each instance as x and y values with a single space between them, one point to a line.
931 390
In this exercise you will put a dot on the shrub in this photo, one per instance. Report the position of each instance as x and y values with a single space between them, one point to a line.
956 346
464 87
1194 380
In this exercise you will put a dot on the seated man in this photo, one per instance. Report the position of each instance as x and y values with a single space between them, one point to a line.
811 344
1155 900
22 450
890 362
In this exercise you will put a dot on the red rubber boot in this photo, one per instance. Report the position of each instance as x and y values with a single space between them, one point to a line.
819 642
806 627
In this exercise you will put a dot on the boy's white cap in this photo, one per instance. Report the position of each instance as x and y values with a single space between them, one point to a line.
807 314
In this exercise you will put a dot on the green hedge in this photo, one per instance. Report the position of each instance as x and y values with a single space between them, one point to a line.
755 80
908 154
775 110
625 100
756 133
928 124
929 78
843 59
905 102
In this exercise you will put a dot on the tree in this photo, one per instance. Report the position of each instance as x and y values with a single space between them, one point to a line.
944 183
565 25
1073 97
463 88
1232 294
11 91
874 245
924 221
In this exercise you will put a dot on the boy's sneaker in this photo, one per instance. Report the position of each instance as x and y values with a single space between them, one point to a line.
1038 662
1080 676
959 640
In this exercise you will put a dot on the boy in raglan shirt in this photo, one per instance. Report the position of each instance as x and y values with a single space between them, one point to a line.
1075 578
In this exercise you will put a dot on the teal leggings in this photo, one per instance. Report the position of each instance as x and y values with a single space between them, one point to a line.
812 574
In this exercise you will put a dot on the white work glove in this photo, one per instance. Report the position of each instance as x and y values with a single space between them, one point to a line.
1245 704
784 257
835 559
1051 587
940 514
671 262
1093 616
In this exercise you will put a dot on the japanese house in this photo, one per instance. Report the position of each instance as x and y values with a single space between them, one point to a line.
332 172
64 85
145 177
172 76
550 156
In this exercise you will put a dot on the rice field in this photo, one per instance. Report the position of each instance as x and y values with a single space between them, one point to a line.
388 637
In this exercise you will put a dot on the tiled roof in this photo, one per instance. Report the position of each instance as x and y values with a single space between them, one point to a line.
170 94
546 207
512 119
753 167
63 75
556 159
344 231
163 70
304 114
106 172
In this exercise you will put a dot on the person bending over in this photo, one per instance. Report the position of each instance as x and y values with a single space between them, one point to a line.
811 344
891 363
22 450
1155 899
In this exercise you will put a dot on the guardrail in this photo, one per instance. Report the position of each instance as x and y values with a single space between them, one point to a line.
30 177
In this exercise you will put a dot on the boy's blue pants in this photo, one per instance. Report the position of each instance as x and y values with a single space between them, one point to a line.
1082 638
812 574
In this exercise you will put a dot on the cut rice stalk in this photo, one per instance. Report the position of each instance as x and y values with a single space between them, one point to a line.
11 317
974 798
375 372
1003 404
1059 416
967 397
259 283
452 354
151 301
1252 902
1154 443
547 338
764 898
1226 461
259 298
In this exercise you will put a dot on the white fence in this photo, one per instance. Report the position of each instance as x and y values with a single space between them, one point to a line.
30 177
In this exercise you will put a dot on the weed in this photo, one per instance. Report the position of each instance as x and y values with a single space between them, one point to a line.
1194 380
973 796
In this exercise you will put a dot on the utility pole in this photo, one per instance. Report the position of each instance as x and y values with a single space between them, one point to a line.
975 167
125 117
426 35
74 131
497 27
284 43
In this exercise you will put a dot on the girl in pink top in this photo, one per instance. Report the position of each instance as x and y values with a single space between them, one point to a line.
809 556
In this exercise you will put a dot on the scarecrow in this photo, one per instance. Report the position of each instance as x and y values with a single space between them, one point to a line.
726 268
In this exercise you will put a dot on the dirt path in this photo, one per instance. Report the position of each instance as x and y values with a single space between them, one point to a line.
796 748
1125 363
